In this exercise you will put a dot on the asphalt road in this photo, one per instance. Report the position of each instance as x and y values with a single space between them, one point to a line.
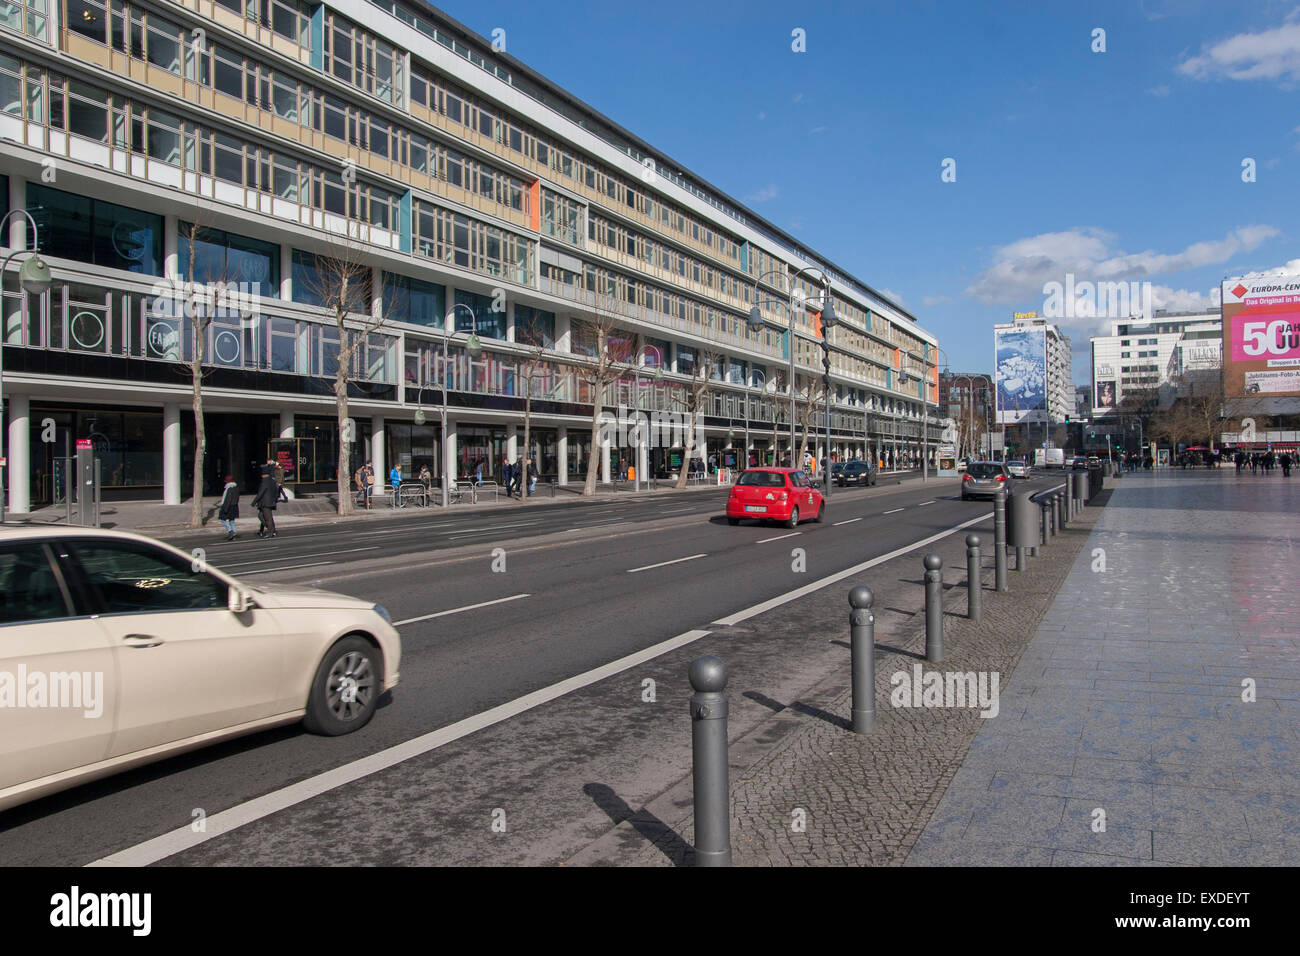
584 583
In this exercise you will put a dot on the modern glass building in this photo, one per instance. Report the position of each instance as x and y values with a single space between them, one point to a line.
250 145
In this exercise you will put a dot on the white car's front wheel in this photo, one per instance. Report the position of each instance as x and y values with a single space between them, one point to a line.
346 689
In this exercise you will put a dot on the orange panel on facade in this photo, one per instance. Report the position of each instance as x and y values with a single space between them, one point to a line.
535 204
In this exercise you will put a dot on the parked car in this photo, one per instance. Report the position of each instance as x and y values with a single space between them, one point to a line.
857 473
145 652
1079 464
983 479
774 494
1017 469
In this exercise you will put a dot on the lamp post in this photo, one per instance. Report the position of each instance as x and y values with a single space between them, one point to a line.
473 349
657 377
755 321
33 279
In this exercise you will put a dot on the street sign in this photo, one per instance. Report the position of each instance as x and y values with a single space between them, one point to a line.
84 443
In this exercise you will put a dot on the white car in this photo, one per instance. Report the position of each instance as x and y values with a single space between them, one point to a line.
1017 469
117 650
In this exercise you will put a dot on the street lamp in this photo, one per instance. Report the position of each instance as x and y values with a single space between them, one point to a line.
473 348
33 279
755 321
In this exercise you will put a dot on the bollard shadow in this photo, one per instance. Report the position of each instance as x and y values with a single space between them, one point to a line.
799 707
659 834
775 706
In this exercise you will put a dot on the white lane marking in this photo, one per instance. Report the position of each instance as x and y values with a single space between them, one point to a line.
846 521
664 564
457 610
894 512
924 503
287 567
495 527
219 824
677 511
314 554
779 537
797 593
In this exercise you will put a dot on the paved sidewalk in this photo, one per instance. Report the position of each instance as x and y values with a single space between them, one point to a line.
1129 700
1120 690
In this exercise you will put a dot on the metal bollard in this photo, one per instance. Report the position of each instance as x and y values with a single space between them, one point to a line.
1050 516
1061 511
1069 500
1021 559
552 487
709 762
933 607
974 586
1000 540
862 644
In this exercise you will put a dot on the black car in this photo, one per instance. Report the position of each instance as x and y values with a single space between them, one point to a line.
856 473
1079 464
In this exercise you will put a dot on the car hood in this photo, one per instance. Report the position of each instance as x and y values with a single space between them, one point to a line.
287 596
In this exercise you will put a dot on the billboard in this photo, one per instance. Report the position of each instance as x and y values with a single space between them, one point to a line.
1261 337
1105 394
1020 363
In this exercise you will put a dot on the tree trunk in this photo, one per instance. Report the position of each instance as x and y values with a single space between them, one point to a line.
528 421
341 404
689 449
593 453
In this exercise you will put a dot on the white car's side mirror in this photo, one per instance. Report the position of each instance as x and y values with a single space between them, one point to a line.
240 601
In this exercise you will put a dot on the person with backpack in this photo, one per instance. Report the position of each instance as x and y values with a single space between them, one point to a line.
229 509
268 493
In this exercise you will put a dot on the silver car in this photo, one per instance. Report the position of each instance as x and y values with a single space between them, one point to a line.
1017 469
984 479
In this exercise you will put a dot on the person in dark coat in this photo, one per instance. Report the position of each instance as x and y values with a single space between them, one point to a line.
268 492
229 509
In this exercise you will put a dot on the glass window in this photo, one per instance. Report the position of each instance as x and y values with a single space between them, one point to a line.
91 230
414 300
489 323
130 578
29 589
221 256
534 326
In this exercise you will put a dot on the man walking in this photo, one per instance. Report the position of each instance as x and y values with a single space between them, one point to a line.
268 493
229 509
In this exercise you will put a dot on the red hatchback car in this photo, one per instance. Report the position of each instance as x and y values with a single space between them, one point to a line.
775 494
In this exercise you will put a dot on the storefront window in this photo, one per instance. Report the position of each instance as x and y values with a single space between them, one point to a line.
490 324
221 256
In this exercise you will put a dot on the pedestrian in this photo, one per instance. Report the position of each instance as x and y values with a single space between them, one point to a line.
366 479
395 477
229 509
1285 462
532 477
277 470
425 477
508 476
264 501
521 476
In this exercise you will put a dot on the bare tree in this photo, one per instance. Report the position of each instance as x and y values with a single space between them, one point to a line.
531 368
609 352
341 285
811 395
198 303
691 397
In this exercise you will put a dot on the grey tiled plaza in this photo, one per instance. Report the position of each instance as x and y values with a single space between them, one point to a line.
1128 734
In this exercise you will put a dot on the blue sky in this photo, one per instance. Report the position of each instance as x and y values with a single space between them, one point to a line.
1116 165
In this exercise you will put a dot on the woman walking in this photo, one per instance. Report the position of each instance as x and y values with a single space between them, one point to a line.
229 509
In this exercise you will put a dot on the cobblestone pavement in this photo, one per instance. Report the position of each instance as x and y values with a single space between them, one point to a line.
807 791
1133 700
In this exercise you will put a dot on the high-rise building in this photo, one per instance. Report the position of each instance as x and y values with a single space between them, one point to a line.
1163 356
252 147
1032 363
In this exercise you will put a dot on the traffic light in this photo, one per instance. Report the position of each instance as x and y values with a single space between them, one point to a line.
1067 419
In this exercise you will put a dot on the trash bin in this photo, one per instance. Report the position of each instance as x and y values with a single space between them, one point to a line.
1022 522
1080 487
1095 480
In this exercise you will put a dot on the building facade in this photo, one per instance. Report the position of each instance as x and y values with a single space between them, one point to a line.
1034 386
967 398
1169 354
201 174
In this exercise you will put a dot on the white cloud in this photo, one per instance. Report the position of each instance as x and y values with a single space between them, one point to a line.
797 98
1021 269
762 116
1161 90
931 300
816 129
1290 268
763 195
1269 55
894 296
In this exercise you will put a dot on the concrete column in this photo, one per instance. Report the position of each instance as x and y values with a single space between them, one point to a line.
377 293
604 462
510 321
643 458
172 265
449 452
171 454
19 471
512 442
286 273
377 449
286 423
562 455
18 224
563 342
